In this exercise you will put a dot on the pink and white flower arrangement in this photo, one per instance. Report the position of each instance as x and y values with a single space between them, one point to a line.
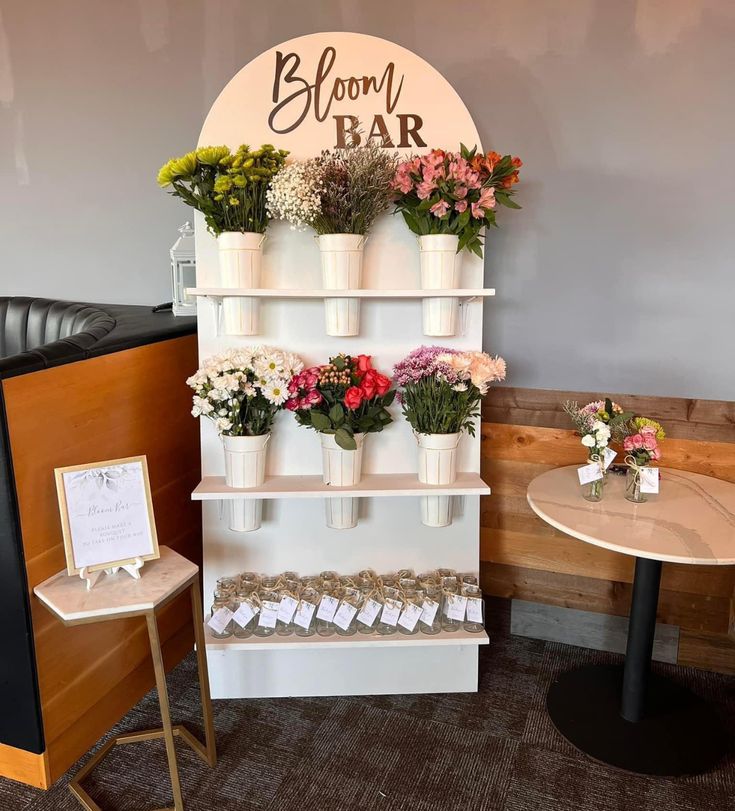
441 388
641 445
455 192
243 389
597 423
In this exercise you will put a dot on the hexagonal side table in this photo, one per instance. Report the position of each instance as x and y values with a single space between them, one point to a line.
119 596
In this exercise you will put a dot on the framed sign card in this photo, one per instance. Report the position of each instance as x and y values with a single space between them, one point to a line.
106 515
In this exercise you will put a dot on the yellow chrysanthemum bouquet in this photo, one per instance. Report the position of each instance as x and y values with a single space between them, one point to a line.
227 187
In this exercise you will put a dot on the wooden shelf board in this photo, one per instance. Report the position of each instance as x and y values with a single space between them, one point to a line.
221 292
336 642
372 485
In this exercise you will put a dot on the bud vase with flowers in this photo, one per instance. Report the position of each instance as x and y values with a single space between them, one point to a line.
641 448
597 423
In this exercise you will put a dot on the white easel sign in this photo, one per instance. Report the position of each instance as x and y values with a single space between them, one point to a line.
107 517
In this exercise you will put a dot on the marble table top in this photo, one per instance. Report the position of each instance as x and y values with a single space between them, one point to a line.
692 519
112 595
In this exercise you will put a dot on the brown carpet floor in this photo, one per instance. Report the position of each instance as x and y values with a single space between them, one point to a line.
491 751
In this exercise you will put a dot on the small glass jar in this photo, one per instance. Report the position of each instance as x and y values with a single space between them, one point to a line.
434 595
633 486
475 613
446 573
268 600
222 600
289 576
269 583
469 580
326 627
227 585
407 583
286 628
249 579
311 596
385 628
244 595
413 597
328 574
353 598
368 593
593 491
449 599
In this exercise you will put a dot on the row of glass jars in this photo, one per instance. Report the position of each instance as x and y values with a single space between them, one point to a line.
328 603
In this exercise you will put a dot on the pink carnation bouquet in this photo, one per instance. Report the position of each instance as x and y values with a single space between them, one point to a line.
455 192
440 388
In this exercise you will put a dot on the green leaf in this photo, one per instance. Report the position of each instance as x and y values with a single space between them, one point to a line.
345 439
337 415
504 200
389 398
320 421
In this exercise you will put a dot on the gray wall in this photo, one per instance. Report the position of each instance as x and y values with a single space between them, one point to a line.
617 275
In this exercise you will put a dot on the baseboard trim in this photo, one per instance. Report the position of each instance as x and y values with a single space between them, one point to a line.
24 767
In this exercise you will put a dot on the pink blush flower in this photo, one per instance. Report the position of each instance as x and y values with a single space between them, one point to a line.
313 398
628 443
425 188
460 205
440 209
487 198
477 211
649 442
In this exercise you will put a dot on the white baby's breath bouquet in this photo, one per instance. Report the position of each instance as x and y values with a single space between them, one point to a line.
243 389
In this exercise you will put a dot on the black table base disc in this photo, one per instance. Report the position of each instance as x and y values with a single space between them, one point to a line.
679 735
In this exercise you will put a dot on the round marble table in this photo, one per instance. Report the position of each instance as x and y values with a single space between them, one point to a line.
625 715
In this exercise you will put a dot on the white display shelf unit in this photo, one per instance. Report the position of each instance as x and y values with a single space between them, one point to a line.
379 485
216 293
335 641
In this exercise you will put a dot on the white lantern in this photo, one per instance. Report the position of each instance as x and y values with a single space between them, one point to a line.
183 271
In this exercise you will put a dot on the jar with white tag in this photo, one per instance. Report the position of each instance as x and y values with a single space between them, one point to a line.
244 596
227 585
388 618
249 579
222 601
431 619
370 608
327 608
474 621
305 625
287 606
345 623
452 605
265 624
413 601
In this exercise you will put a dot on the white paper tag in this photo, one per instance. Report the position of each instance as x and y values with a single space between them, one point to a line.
649 480
327 608
474 609
286 609
245 613
391 611
456 607
344 615
369 612
589 473
410 616
304 613
608 456
219 621
429 612
268 614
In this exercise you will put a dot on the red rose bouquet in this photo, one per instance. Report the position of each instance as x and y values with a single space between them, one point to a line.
343 397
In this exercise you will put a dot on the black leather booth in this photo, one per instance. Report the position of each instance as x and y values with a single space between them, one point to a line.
36 334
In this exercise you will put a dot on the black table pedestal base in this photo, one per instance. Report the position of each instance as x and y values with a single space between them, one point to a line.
679 733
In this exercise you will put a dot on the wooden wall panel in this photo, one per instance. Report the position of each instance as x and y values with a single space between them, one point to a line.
526 433
123 404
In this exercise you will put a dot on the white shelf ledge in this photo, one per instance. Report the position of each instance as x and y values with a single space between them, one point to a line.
221 292
212 488
336 642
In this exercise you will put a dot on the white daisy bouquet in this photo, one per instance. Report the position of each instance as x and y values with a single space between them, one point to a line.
243 389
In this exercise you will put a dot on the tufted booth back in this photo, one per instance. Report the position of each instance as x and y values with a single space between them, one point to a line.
29 323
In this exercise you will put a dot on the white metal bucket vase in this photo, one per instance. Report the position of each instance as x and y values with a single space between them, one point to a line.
245 514
341 256
240 262
245 460
341 513
441 267
341 468
437 464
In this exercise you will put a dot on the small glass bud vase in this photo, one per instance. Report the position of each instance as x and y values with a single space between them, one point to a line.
594 490
633 486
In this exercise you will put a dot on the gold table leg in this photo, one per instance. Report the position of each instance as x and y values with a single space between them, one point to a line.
169 732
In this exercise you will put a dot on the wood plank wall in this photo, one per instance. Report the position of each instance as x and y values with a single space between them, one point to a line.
524 433
123 404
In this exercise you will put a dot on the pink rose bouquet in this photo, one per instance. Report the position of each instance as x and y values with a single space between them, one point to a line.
344 397
455 192
641 445
441 388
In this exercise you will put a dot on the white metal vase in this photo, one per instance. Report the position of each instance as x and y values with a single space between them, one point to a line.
341 256
245 459
437 464
341 468
240 262
441 267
